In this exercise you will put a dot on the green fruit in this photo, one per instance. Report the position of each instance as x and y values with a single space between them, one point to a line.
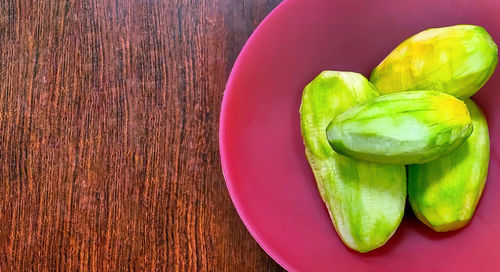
365 200
444 193
457 60
401 128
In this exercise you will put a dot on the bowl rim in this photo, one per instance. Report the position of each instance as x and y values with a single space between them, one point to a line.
222 136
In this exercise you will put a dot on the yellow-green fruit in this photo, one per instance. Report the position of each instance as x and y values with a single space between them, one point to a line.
444 193
457 60
365 200
401 128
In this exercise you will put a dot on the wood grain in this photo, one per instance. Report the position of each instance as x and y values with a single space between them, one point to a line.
109 135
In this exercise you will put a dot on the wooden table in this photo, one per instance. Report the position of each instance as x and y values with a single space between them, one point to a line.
109 135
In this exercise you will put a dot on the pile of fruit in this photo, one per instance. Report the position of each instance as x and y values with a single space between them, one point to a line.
410 129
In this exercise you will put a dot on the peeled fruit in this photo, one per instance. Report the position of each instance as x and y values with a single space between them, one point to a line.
401 128
365 200
444 193
457 60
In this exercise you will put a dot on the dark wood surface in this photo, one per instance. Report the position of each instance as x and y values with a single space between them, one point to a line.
109 135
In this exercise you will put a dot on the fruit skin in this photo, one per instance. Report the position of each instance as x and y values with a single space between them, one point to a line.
444 193
457 60
401 128
366 201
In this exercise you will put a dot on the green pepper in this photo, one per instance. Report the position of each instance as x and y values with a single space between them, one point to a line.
401 128
457 60
365 200
444 193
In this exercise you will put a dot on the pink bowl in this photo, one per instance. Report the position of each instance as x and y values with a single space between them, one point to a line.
262 152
